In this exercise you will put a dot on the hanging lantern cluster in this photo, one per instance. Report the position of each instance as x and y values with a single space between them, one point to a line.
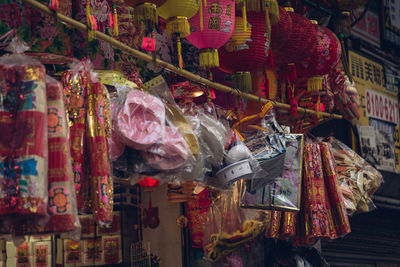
211 28
177 13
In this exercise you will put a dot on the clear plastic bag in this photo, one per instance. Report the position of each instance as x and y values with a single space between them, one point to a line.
227 228
141 120
285 192
23 140
363 180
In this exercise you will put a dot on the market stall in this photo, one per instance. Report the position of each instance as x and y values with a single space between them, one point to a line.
153 150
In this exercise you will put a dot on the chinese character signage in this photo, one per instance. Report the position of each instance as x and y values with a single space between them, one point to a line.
381 106
368 27
367 72
392 79
391 22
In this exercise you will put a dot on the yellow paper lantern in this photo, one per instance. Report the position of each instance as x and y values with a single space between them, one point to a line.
239 37
177 13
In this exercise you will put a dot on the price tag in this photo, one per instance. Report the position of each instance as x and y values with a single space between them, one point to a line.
149 44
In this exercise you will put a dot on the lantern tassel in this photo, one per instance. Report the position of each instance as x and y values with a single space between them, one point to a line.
146 13
273 10
209 58
244 15
179 48
115 15
178 24
90 21
314 84
242 81
201 15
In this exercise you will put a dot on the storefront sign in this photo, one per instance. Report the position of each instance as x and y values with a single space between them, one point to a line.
397 147
391 22
381 107
367 72
377 146
367 28
392 78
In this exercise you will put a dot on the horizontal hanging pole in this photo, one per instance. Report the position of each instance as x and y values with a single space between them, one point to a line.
184 73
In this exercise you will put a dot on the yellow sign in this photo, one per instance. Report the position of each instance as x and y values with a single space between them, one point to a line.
367 72
368 75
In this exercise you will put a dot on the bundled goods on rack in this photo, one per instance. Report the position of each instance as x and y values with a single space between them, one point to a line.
241 171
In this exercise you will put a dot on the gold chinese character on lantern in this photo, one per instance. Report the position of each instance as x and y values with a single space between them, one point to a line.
214 23
215 9
228 10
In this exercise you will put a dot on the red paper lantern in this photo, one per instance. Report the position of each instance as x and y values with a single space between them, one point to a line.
282 31
325 54
149 183
299 46
253 57
210 29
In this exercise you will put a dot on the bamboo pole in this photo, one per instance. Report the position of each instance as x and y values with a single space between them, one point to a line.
184 73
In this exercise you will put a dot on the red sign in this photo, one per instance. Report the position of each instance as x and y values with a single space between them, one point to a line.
149 44
381 107
367 28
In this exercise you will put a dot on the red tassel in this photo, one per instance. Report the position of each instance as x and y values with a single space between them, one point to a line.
111 21
270 59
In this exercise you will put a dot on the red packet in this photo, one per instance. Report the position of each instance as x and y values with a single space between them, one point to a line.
149 44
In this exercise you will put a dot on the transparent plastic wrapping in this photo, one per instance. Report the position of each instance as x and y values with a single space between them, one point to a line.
335 196
23 140
213 133
283 194
360 177
62 206
141 120
238 165
265 139
98 133
76 82
226 228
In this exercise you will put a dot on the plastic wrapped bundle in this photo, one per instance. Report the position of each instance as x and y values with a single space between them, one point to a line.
99 127
62 205
75 82
358 180
339 216
314 217
23 139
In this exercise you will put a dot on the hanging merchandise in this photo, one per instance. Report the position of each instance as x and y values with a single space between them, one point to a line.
196 212
264 138
211 28
281 225
23 139
313 221
347 99
75 82
227 228
283 194
282 30
269 6
357 179
177 13
335 197
242 61
179 193
150 216
98 132
89 110
324 58
62 206
240 36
